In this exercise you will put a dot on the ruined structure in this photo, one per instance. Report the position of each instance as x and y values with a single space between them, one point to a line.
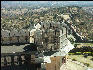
51 44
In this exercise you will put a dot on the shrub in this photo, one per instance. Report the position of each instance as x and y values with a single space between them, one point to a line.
87 64
74 60
91 59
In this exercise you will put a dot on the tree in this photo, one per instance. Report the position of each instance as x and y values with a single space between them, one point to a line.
71 40
55 16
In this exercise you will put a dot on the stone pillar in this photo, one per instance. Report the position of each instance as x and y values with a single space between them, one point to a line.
27 61
12 60
66 32
19 60
5 61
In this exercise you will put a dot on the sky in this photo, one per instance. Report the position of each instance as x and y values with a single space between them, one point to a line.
50 3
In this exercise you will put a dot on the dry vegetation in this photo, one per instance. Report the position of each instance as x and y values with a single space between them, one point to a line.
82 59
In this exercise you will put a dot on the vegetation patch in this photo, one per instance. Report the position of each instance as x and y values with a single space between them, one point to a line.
74 60
87 64
80 58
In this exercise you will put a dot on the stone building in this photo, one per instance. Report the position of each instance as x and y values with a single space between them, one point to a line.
50 39
48 35
14 36
5 36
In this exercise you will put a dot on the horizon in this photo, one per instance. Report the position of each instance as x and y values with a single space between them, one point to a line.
46 3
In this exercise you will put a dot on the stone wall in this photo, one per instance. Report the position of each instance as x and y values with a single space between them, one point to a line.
14 36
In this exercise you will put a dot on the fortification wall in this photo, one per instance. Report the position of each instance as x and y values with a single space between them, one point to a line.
14 36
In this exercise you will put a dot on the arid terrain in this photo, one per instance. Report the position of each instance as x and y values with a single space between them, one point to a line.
71 65
78 64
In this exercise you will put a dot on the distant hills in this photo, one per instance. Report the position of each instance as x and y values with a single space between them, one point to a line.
45 3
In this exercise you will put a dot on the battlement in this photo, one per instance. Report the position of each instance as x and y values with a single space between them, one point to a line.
45 35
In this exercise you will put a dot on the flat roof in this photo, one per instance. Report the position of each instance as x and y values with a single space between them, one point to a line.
12 48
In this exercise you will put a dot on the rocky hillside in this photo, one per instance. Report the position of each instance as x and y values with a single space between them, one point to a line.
83 23
80 19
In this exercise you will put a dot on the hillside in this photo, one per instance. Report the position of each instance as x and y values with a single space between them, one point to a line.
24 18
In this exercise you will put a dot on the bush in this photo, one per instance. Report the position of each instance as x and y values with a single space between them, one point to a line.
85 55
91 59
75 45
74 60
87 64
71 40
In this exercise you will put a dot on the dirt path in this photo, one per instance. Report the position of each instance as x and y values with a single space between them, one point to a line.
70 65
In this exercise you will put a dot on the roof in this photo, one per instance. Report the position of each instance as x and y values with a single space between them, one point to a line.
12 48
67 47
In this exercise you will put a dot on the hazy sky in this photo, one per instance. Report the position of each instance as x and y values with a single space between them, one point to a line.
46 2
